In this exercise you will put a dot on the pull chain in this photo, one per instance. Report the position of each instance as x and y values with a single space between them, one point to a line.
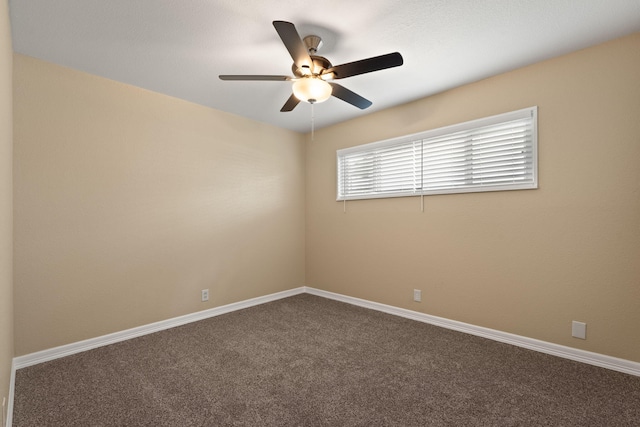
312 122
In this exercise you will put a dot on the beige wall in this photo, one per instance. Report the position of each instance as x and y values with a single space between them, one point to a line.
526 262
6 203
128 203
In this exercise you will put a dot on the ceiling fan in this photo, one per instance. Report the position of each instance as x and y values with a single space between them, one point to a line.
313 74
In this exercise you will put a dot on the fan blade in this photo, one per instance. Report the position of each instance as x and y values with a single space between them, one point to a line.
294 44
253 77
290 104
366 65
352 98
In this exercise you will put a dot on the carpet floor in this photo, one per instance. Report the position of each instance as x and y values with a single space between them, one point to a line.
311 361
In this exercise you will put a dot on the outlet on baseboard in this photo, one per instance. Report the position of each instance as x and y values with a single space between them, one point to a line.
417 295
579 330
205 295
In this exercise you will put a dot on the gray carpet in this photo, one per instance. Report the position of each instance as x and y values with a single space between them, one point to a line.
310 361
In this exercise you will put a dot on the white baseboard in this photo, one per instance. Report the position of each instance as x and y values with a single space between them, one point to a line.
596 359
604 361
80 346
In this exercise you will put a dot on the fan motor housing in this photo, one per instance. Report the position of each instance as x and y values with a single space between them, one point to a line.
320 63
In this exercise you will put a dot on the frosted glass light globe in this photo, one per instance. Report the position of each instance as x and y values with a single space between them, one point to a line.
311 90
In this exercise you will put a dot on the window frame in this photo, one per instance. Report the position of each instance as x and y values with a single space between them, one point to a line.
531 112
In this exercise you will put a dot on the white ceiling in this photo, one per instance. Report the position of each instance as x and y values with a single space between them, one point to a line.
179 47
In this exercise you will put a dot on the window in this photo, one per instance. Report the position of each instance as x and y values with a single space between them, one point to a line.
490 154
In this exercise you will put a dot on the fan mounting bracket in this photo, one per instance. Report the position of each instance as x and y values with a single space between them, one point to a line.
313 44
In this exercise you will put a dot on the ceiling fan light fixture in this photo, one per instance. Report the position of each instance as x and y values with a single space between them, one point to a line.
311 72
312 90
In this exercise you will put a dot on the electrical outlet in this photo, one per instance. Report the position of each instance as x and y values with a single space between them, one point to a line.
205 295
417 295
579 330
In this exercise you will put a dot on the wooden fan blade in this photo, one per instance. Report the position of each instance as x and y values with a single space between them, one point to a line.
351 97
368 65
294 44
290 104
253 77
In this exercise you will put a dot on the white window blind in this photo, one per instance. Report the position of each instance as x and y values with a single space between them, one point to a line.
385 170
489 154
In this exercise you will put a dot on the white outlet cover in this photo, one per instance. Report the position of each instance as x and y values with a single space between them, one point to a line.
579 330
417 295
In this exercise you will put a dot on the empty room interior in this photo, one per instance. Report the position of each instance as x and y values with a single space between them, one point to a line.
141 193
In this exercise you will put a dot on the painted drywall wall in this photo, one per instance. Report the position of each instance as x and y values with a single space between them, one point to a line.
525 262
6 203
128 203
